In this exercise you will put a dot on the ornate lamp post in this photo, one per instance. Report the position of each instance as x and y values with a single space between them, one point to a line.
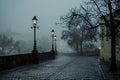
34 20
53 35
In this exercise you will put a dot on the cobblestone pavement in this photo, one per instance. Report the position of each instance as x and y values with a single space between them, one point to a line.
62 68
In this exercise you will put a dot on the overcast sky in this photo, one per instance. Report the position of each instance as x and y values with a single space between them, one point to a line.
16 16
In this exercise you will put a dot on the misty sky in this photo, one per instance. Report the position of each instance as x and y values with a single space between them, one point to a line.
16 16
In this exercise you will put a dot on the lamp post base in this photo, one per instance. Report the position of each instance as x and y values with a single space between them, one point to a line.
53 51
34 51
35 56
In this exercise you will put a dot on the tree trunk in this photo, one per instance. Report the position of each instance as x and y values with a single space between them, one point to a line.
113 51
81 48
113 40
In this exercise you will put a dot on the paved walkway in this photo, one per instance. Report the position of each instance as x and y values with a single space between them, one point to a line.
61 68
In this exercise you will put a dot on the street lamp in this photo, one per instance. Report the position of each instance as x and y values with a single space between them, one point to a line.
34 21
55 44
53 34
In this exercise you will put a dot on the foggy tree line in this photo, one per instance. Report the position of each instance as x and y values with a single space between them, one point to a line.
10 46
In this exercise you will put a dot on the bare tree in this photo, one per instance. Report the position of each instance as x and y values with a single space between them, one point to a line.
77 31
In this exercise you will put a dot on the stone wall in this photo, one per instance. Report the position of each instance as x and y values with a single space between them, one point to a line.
8 62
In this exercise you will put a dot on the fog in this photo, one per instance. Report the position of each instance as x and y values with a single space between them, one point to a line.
16 19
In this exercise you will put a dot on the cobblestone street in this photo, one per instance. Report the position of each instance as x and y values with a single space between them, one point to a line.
64 67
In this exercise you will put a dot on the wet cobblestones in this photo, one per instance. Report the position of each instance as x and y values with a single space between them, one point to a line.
62 68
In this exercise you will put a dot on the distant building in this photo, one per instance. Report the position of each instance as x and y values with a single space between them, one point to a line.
105 51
